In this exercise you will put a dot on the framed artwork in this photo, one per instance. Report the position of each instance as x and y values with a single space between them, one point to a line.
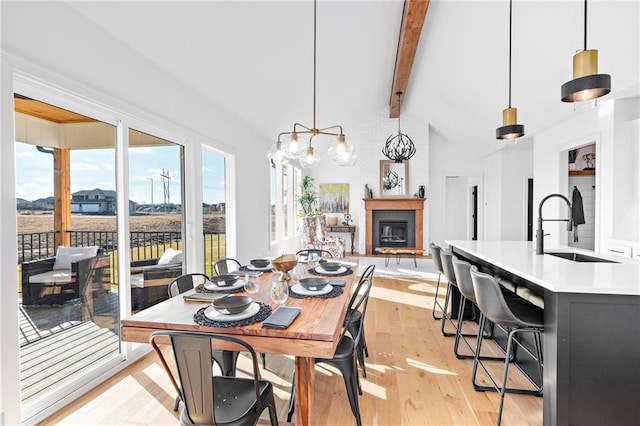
334 197
394 178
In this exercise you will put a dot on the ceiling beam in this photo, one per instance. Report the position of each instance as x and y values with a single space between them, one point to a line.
413 17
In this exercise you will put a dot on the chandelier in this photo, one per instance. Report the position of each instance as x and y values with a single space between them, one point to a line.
294 146
399 147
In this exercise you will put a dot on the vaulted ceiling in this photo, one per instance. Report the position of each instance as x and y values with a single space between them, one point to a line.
255 58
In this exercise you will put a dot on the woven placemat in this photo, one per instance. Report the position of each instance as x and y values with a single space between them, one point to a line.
313 271
201 319
201 289
335 292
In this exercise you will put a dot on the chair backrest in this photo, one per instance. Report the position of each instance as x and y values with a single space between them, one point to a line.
447 266
312 230
435 256
185 283
360 299
195 384
491 301
225 265
304 254
463 279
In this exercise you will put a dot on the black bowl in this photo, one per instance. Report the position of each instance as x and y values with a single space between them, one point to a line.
331 266
232 304
313 284
260 263
225 280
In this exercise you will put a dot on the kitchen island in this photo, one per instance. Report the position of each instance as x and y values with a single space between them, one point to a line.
591 342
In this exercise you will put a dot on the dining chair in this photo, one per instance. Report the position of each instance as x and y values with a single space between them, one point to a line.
208 399
226 265
345 357
355 314
225 359
304 253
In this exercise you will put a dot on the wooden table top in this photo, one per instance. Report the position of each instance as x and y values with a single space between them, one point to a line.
314 333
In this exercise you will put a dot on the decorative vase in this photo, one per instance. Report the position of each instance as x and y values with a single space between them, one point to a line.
421 191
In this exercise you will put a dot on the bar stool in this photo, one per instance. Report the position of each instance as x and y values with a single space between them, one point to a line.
435 256
518 317
447 315
462 272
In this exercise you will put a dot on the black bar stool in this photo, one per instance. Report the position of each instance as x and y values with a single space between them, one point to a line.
435 256
517 317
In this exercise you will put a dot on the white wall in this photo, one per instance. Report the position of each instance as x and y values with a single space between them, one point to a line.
615 146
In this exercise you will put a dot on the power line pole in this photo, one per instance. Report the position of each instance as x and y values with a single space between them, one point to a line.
151 179
166 183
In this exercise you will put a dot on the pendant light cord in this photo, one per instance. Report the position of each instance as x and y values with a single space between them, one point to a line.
314 63
585 24
510 19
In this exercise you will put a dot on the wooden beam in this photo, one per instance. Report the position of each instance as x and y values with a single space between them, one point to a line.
62 196
413 17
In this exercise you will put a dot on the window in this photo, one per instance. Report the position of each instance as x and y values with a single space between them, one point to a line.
284 192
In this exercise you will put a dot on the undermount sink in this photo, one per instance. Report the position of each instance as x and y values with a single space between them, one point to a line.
578 257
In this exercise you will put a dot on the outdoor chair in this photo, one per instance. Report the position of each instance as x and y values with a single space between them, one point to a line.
208 399
150 278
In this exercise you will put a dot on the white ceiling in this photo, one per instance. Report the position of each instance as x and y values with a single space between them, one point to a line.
255 59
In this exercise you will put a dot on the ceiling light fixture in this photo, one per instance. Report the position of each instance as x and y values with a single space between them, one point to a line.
291 144
587 84
510 129
399 147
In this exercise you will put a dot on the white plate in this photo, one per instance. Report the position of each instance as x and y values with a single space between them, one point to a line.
212 286
214 315
268 268
301 290
340 270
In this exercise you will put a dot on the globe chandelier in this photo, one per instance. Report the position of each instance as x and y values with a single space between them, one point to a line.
294 146
399 147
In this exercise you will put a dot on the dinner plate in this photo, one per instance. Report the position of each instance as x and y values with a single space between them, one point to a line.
303 291
340 270
214 315
215 287
268 268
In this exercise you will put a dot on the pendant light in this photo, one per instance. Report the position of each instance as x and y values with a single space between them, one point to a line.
509 129
587 84
399 147
292 145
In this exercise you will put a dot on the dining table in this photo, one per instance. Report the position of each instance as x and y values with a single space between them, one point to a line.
313 334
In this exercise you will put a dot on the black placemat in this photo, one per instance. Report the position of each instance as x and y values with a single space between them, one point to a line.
313 271
335 292
200 288
201 319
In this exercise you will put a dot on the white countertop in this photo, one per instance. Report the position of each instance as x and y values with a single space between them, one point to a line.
557 274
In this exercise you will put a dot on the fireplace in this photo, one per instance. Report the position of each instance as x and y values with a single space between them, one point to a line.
393 222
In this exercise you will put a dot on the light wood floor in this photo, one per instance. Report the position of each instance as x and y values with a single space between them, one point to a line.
413 377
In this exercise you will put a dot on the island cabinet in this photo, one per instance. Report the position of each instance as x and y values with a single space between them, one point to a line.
591 341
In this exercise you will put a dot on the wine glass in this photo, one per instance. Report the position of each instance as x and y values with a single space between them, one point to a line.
279 291
313 259
297 273
251 285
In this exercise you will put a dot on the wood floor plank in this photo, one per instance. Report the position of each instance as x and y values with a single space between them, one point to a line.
413 378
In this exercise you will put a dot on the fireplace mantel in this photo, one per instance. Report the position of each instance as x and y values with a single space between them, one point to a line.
371 204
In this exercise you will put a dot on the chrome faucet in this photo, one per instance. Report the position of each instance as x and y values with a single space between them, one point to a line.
540 231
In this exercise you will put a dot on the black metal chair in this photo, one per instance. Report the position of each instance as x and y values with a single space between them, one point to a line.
345 357
304 254
518 317
225 359
435 256
208 399
226 265
356 317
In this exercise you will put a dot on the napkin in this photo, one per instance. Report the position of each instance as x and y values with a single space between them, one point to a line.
281 317
204 297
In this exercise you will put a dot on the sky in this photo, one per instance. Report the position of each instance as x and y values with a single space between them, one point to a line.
95 168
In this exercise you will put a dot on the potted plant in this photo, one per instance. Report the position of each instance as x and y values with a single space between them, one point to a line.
307 198
573 155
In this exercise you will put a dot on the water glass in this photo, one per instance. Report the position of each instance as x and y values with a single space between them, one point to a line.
279 291
251 285
313 259
297 273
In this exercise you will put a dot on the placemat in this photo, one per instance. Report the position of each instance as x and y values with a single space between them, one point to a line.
335 292
313 271
201 289
201 319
